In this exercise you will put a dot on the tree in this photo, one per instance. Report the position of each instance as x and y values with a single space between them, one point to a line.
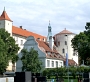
8 50
30 60
81 44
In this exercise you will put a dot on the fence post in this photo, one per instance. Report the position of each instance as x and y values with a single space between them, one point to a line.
6 79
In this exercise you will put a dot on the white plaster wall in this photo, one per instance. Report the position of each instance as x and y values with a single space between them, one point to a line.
18 41
75 58
7 25
60 63
62 38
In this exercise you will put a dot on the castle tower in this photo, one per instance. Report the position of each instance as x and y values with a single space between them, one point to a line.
6 22
63 43
49 37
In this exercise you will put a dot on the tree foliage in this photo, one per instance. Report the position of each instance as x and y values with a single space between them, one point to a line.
30 60
8 50
81 44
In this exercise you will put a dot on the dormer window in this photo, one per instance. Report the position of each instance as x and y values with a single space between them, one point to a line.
38 38
48 53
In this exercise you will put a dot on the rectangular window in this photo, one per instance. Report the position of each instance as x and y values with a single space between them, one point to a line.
48 63
21 42
63 50
58 43
65 42
16 39
60 63
52 63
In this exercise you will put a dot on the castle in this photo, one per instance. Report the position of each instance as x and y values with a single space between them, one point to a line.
51 49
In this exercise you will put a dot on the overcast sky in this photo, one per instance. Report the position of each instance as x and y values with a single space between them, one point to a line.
34 15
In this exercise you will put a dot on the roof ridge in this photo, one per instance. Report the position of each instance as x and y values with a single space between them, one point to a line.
29 31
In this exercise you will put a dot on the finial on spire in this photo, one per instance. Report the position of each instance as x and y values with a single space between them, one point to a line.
4 8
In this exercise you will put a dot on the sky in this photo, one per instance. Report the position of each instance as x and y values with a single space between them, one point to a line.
34 15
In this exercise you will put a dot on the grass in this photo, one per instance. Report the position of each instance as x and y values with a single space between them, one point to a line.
74 80
66 80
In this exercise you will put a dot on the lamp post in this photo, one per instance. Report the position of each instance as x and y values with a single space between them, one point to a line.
66 36
57 73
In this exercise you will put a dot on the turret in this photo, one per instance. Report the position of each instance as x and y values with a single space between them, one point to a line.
6 22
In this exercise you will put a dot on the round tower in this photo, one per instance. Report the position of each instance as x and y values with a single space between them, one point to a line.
63 42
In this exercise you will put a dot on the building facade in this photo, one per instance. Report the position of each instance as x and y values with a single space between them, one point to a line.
47 50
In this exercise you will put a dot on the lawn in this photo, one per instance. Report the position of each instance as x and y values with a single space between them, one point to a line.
74 80
65 80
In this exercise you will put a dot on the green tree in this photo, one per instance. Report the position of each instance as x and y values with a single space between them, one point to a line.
8 50
30 60
81 43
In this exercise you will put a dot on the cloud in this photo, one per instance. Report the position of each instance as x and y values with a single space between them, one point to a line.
35 14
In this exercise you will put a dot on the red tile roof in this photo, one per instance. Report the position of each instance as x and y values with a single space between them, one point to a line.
53 53
4 16
71 62
23 32
64 32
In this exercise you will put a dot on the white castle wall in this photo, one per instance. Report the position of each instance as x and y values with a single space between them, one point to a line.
68 48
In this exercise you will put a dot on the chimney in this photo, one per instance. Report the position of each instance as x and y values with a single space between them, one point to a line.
21 27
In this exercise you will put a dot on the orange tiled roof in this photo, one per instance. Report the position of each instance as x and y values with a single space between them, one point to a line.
64 32
71 62
44 45
23 32
4 16
54 53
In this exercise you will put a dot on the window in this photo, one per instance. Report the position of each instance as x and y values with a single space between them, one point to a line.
60 63
52 63
16 39
58 43
21 42
65 42
56 63
49 30
63 50
48 63
38 38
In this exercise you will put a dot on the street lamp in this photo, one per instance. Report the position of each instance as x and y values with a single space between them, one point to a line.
66 43
57 73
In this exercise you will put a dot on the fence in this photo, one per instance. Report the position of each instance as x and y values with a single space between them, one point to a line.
7 79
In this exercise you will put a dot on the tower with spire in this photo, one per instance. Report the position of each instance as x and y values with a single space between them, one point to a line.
49 37
6 22
49 32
